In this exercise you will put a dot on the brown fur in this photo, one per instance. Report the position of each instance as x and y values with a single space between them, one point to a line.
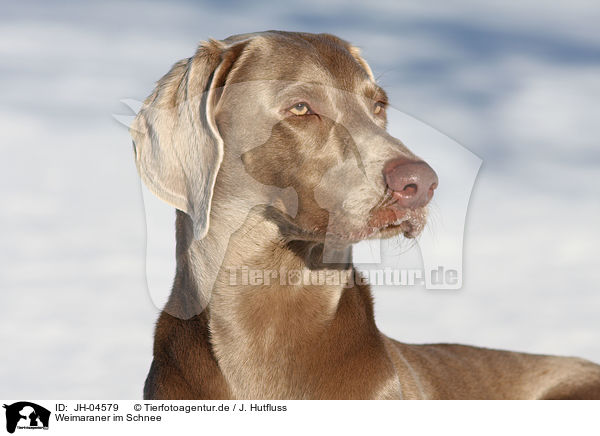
275 189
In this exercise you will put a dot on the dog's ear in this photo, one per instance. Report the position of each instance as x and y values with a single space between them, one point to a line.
178 148
355 52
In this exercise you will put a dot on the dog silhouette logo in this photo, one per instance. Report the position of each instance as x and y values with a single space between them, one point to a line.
26 415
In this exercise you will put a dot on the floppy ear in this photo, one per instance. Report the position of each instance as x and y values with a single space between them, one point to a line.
178 148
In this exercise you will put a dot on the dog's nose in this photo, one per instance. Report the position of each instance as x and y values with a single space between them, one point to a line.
412 182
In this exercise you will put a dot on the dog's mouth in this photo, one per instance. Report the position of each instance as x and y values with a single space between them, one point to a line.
389 219
384 220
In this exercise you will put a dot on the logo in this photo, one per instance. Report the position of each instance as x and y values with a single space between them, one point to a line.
26 415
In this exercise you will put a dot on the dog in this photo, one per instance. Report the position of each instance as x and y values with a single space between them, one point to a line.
273 149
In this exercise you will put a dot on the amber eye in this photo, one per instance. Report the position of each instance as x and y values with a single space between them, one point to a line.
379 108
300 109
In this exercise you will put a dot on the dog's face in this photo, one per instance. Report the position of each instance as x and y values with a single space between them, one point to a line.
317 125
282 111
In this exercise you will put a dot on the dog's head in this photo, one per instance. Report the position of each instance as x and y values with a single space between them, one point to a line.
248 118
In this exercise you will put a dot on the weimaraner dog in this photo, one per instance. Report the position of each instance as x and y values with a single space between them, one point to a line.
273 149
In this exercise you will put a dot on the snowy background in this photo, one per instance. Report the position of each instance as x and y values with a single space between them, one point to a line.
517 85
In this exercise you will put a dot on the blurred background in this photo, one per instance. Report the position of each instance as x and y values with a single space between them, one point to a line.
518 85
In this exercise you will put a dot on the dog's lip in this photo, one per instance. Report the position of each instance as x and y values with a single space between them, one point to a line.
392 219
388 216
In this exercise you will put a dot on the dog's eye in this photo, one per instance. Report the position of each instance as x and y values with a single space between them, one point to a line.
379 108
300 109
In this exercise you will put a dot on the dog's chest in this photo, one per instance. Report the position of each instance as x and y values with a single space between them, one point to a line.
283 349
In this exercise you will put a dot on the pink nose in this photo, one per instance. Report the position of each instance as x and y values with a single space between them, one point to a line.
412 182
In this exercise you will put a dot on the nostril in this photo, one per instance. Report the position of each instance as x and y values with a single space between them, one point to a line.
410 190
431 189
430 192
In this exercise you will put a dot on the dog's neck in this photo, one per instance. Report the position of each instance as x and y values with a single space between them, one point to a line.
272 300
255 258
270 340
